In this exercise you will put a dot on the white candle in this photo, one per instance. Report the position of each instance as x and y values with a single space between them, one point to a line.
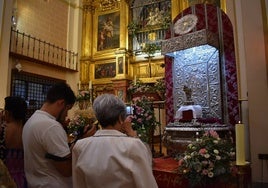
240 144
90 85
79 85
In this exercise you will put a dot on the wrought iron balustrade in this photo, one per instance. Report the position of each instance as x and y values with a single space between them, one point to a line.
28 47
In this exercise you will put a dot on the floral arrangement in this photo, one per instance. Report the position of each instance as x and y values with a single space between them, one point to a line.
206 158
140 87
143 119
80 120
83 95
160 85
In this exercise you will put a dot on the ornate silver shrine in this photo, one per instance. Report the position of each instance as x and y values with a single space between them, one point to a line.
196 66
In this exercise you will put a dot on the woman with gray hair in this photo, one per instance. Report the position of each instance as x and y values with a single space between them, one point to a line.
113 156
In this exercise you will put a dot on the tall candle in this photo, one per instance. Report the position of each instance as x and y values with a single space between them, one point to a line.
240 144
79 85
90 85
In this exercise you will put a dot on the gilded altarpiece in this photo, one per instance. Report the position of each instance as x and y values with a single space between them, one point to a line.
104 56
110 53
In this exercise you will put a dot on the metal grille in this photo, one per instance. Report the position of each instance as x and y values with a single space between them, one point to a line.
33 88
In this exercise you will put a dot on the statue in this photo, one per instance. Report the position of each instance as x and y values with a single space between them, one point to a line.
188 94
155 17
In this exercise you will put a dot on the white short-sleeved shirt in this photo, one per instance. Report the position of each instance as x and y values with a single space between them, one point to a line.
111 159
43 134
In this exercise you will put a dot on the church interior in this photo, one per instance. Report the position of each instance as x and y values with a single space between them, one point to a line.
197 65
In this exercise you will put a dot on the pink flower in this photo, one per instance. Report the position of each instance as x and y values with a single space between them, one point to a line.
214 134
204 171
180 162
149 117
203 151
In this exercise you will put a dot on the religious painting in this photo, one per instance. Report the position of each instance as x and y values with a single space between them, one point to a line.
107 70
108 31
120 65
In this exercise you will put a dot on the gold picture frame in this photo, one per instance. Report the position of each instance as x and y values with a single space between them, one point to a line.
108 31
105 70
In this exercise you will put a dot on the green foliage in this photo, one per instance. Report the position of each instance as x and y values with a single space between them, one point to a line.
133 27
143 119
140 87
150 49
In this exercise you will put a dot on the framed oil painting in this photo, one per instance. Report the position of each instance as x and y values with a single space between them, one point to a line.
107 70
108 31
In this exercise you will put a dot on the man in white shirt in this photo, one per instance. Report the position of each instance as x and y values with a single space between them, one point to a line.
47 155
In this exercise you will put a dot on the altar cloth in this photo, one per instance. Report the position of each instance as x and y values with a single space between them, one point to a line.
196 109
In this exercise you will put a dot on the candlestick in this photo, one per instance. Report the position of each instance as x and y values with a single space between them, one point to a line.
135 80
79 85
240 144
90 85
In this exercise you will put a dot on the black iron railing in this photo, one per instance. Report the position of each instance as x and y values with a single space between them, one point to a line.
44 52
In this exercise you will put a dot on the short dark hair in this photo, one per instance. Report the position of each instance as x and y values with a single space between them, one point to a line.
17 107
61 91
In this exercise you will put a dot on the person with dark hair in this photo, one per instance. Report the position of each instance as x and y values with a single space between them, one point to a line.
11 147
113 156
46 151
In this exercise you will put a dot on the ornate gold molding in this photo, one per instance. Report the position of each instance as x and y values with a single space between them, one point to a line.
88 7
106 5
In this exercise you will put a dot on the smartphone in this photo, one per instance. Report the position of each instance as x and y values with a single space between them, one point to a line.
129 110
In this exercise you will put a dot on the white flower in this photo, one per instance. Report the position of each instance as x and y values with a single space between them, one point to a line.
216 151
218 157
206 155
187 157
210 174
215 141
232 153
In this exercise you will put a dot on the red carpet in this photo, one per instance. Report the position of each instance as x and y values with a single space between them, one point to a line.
165 164
165 173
